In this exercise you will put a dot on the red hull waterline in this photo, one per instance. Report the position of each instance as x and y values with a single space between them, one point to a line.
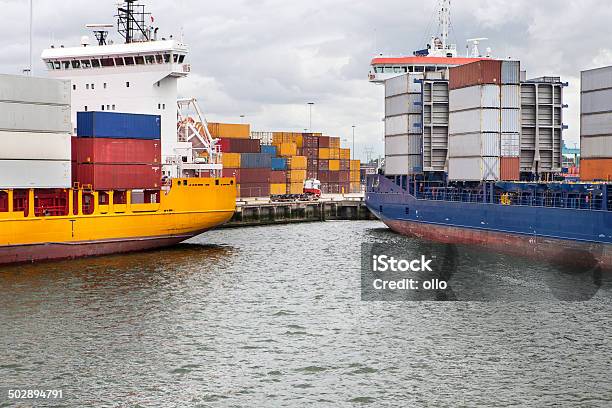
58 250
558 251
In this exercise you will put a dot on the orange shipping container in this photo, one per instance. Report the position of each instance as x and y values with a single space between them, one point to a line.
296 188
334 165
298 163
345 154
231 160
596 169
355 176
297 176
229 130
510 169
355 165
287 149
324 153
278 188
334 142
334 153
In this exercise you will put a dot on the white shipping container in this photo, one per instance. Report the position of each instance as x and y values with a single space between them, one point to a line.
510 120
403 144
596 101
35 146
510 144
596 147
400 165
402 104
35 118
474 121
594 79
596 124
407 83
35 174
15 88
511 96
473 168
510 72
473 145
472 97
403 124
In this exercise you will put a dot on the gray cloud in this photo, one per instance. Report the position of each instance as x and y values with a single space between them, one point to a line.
267 58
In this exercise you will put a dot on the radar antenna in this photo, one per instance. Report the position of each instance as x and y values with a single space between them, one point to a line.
100 31
131 22
475 42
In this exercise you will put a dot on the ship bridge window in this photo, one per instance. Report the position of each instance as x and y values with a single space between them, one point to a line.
66 64
388 70
50 65
175 56
119 62
166 58
150 59
95 63
159 59
378 70
181 59
419 69
57 65
85 64
139 60
129 60
430 68
76 64
397 70
108 62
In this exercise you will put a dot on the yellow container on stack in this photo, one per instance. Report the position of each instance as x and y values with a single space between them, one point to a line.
334 165
229 130
345 154
295 188
287 149
334 142
277 189
334 153
278 138
296 176
297 163
355 170
231 160
324 153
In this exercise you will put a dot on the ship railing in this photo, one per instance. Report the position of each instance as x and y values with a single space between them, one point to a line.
582 201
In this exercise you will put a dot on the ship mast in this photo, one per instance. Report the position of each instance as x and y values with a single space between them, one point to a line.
445 21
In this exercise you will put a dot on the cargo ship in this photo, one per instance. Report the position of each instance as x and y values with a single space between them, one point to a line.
103 157
473 152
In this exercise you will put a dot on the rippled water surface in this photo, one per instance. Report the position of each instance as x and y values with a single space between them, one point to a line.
272 316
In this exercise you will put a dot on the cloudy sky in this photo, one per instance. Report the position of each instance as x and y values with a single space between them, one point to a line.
266 59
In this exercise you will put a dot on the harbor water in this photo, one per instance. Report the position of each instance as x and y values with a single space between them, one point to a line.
273 316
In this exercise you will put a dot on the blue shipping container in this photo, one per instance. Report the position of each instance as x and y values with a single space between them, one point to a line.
269 149
118 125
279 163
255 160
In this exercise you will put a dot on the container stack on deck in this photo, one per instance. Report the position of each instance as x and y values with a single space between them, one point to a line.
243 159
596 124
484 121
35 131
117 151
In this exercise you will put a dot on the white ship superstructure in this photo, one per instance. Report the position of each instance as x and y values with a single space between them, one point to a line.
137 76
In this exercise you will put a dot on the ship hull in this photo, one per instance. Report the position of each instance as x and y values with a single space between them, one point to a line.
57 251
565 236
562 252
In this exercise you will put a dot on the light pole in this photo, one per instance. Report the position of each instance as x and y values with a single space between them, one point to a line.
310 104
31 29
353 150
242 119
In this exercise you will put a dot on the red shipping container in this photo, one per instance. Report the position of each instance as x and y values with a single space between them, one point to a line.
240 145
334 176
248 176
344 176
324 176
345 164
310 152
278 177
475 73
510 168
323 142
116 151
323 164
309 141
254 190
118 176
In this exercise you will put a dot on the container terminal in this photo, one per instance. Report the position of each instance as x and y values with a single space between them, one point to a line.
474 155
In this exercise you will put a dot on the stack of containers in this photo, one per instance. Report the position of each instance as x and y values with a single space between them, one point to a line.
596 124
117 151
355 169
403 124
477 118
35 129
253 175
310 149
509 162
296 175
